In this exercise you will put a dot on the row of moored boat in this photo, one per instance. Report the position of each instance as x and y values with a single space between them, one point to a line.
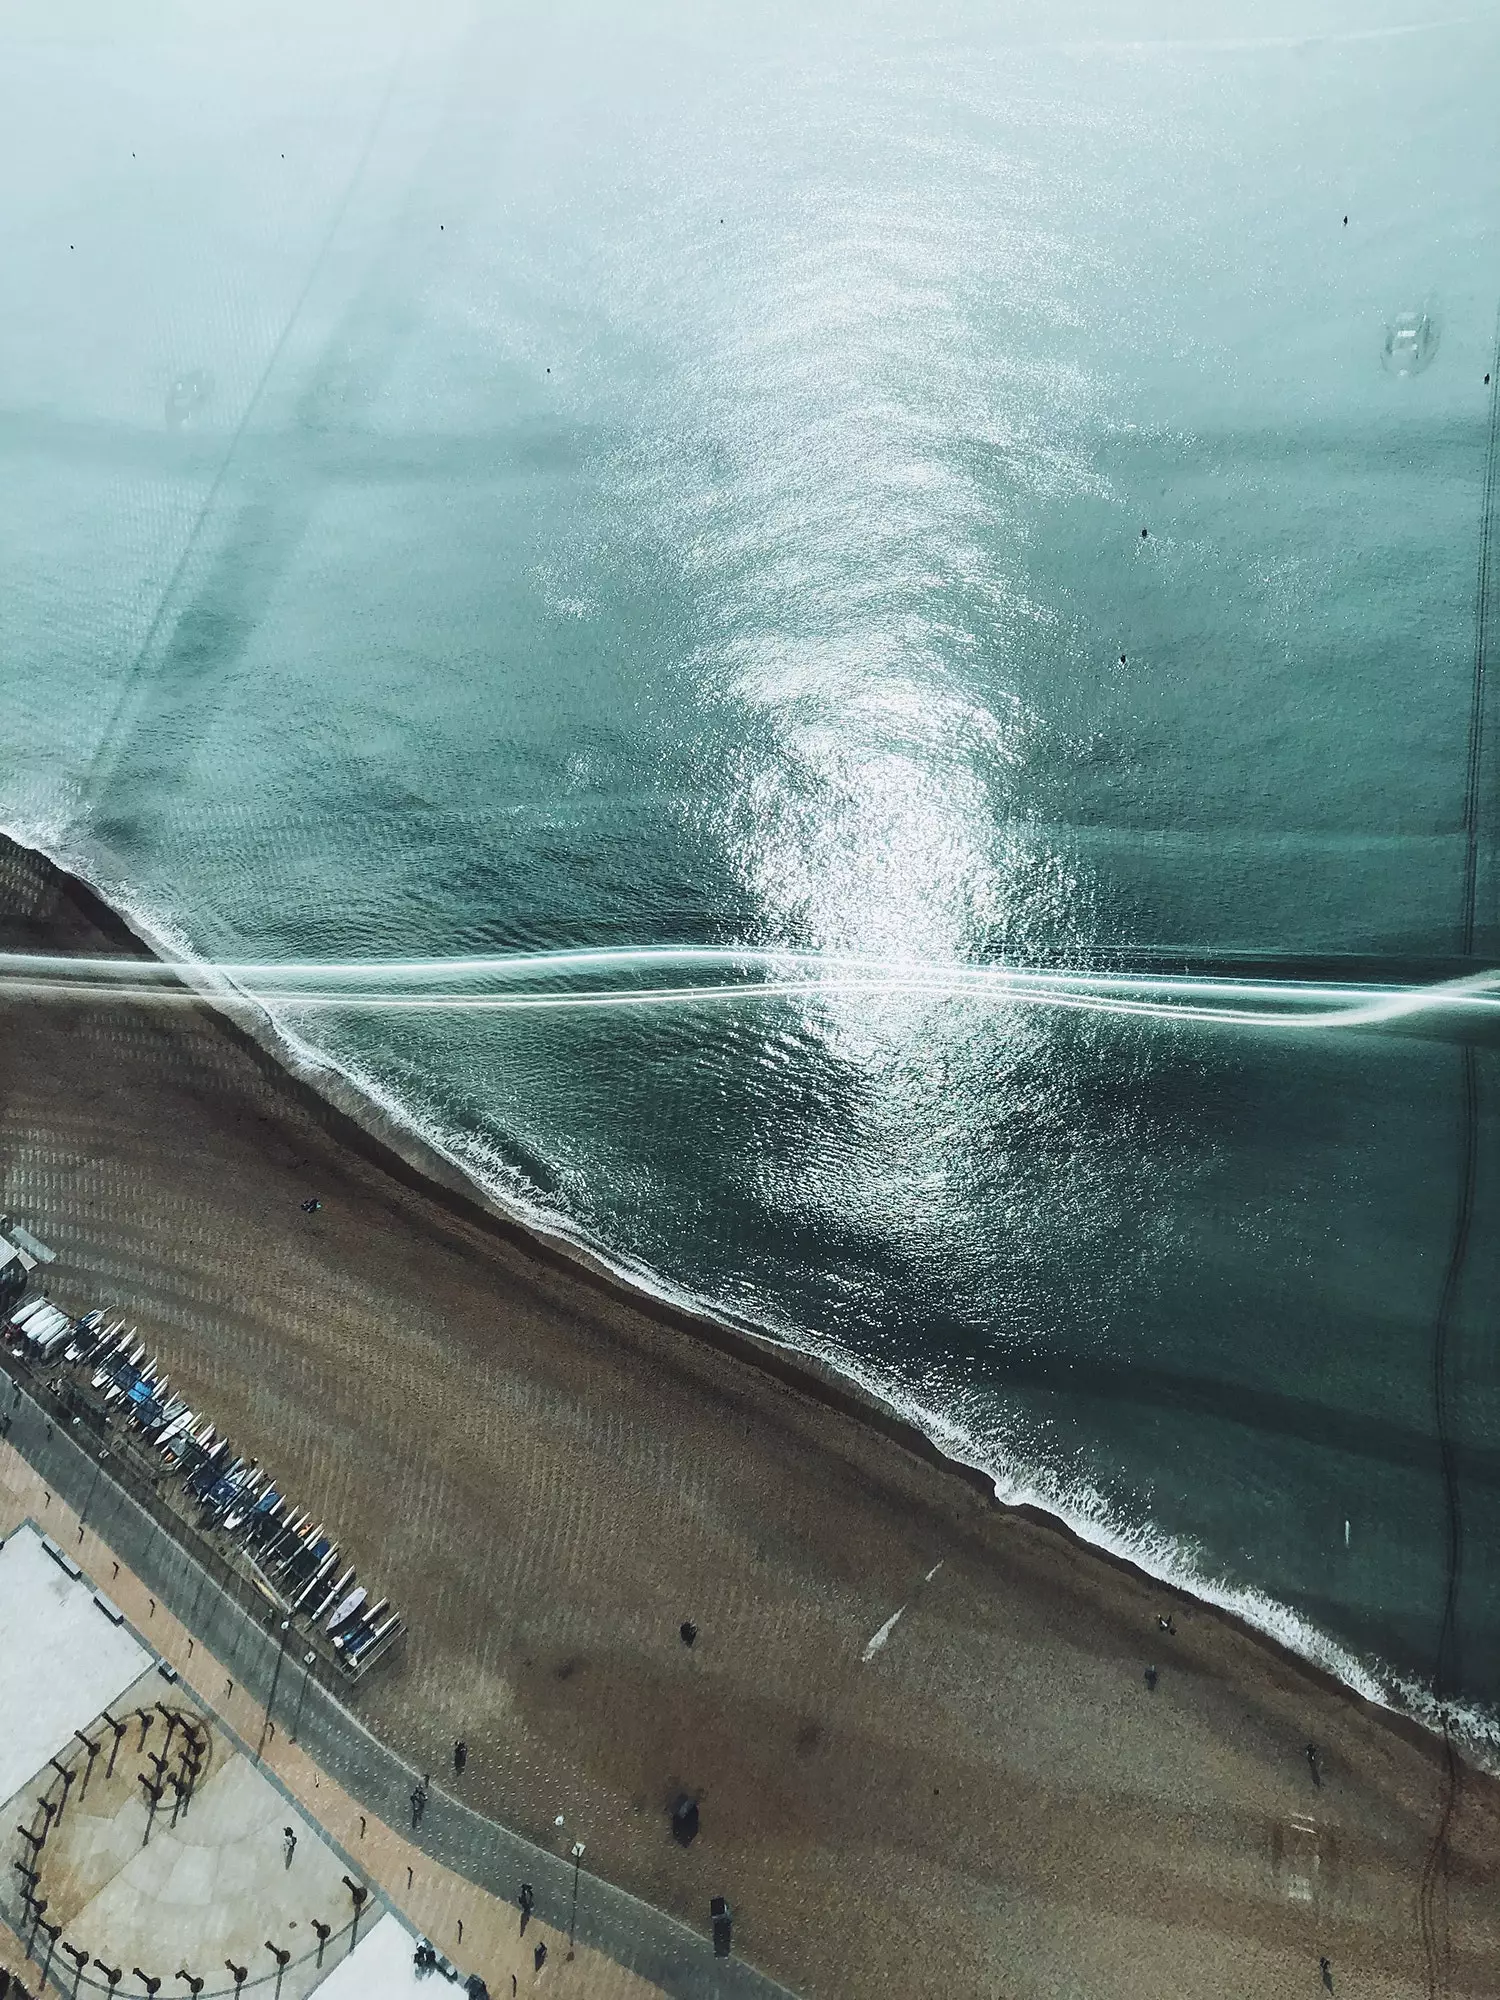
236 1496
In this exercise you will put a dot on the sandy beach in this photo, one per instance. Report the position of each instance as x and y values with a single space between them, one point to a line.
549 1476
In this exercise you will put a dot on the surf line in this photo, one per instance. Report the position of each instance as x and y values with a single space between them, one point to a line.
877 1639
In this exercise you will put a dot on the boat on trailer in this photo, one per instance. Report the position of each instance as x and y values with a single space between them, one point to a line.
47 1332
194 1437
244 1504
87 1333
292 1526
317 1579
350 1634
122 1356
209 1468
345 1612
360 1652
335 1590
299 1565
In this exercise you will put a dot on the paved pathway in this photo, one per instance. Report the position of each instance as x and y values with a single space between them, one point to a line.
261 1668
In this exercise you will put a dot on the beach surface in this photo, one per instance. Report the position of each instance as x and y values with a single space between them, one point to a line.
917 1725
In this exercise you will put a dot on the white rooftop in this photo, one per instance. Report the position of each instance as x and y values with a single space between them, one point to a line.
61 1659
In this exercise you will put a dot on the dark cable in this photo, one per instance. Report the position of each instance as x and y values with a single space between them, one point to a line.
133 672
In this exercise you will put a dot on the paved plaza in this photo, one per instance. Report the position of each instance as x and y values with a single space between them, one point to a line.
166 1850
62 1661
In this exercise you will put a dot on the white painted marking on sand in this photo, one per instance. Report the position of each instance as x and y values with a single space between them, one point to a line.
881 1636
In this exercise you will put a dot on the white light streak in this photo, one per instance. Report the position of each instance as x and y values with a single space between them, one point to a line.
542 982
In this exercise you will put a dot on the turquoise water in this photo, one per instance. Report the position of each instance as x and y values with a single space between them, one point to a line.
683 482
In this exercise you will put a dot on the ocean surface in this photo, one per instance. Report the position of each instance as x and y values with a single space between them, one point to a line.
941 484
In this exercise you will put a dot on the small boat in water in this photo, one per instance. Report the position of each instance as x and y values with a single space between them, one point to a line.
1411 340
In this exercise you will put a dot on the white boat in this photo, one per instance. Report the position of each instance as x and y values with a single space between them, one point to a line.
197 1440
172 1412
240 1506
346 1609
298 1548
334 1591
120 1355
315 1581
350 1634
365 1645
293 1534
172 1438
86 1335
46 1331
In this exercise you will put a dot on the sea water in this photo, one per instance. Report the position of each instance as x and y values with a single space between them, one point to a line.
955 483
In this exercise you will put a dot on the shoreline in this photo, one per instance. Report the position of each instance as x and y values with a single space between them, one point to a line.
356 1116
914 1713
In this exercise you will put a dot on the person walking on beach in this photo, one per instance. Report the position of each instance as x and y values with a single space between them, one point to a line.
460 1755
1311 1754
418 1804
1327 1971
289 1835
527 1899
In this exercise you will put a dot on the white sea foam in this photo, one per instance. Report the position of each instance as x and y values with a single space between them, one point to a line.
1084 1512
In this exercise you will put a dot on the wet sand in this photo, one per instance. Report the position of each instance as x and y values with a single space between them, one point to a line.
548 1476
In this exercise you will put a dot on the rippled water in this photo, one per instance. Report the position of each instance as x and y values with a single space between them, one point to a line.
934 482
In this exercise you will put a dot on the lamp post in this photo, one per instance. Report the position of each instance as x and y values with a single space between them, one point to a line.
577 1852
93 1489
266 1728
307 1665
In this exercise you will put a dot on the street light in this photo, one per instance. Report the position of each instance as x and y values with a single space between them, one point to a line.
577 1852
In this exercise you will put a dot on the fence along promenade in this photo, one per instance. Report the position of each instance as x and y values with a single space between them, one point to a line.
225 1613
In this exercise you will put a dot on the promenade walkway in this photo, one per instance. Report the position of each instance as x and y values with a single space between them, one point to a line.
252 1674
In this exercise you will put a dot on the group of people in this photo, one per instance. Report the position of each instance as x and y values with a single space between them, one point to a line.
419 1790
